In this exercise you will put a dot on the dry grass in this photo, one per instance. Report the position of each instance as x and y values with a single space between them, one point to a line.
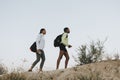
3 69
104 70
13 76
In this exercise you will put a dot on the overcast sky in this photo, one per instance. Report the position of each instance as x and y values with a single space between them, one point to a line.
21 20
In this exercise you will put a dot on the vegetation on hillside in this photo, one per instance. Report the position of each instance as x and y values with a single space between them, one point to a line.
3 69
90 53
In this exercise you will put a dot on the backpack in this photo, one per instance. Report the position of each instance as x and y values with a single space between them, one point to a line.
33 47
57 40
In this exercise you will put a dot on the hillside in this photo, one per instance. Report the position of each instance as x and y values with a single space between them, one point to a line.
105 70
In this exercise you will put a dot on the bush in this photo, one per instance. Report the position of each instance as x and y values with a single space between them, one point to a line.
3 69
90 53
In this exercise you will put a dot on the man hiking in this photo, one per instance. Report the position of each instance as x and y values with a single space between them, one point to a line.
62 46
40 43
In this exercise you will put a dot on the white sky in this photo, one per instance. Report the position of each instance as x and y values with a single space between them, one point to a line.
21 20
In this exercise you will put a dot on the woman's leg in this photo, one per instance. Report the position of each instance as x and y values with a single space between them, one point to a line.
43 60
35 62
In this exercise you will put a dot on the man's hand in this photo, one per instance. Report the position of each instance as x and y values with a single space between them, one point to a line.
39 51
69 46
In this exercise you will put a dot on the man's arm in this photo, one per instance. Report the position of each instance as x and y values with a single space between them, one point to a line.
65 40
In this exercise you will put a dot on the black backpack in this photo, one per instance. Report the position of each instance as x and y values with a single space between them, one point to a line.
57 40
33 47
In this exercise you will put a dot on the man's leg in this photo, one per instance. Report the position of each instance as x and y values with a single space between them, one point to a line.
59 58
43 60
35 62
67 58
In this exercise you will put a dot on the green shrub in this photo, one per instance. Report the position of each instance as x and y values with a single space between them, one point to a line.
90 53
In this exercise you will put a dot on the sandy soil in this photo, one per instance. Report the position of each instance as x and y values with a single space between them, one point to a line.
105 70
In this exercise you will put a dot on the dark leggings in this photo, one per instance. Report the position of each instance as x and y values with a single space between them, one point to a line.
38 56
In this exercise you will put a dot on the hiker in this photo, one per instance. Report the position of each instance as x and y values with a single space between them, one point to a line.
62 46
40 43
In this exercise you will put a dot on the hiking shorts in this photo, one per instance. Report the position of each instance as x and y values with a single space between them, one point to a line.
63 47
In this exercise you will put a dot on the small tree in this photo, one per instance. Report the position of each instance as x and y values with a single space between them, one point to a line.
90 53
